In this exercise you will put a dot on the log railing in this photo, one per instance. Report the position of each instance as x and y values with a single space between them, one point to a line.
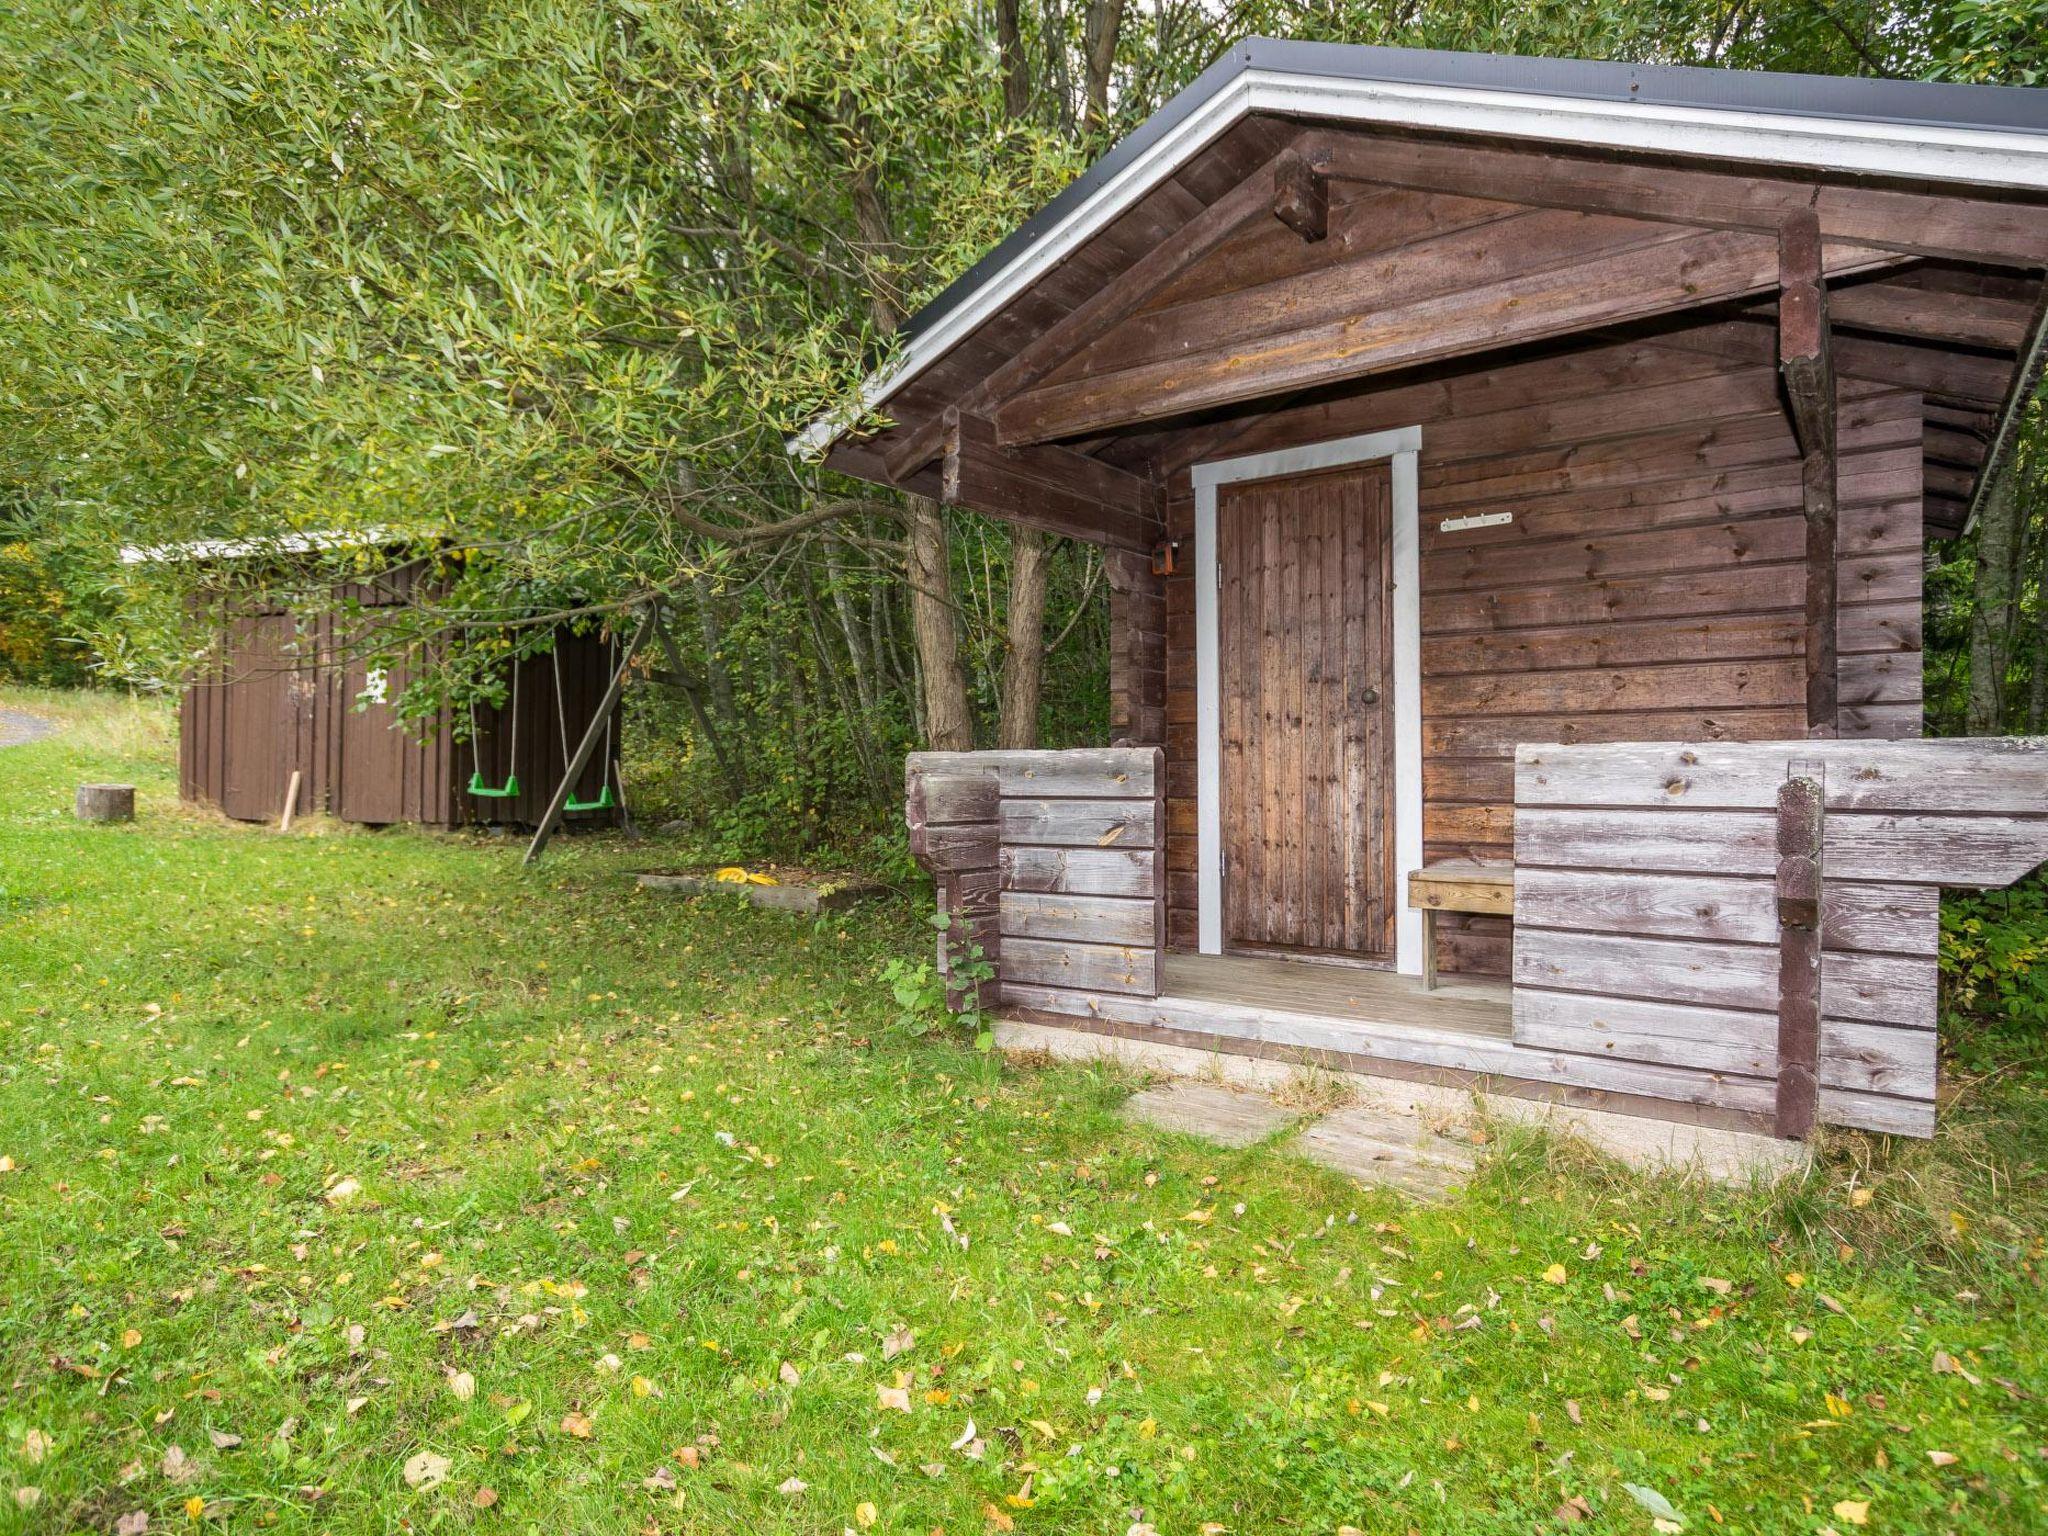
1757 924
1052 862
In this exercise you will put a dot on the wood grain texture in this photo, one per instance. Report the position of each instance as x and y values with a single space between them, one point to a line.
1302 654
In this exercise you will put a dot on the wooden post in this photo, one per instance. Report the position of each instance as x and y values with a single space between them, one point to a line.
105 802
1799 943
291 800
553 814
1808 372
951 804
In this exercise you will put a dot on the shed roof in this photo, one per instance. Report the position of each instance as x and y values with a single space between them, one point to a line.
1949 178
1651 94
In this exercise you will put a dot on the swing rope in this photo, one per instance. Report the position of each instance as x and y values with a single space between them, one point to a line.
510 788
604 801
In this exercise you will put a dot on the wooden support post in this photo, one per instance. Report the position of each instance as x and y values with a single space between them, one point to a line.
1301 197
291 800
1799 947
1808 372
952 816
552 816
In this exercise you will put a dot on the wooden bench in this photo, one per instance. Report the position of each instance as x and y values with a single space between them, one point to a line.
1461 887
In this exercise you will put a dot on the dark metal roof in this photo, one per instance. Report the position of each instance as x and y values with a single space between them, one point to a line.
1827 97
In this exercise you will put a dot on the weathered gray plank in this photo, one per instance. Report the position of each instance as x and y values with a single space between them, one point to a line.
1080 823
1885 919
1982 851
1414 1045
1661 906
1879 989
1082 871
1090 919
1090 967
1877 1112
1977 776
1108 773
1718 975
949 796
1629 1029
1712 843
943 850
1877 1058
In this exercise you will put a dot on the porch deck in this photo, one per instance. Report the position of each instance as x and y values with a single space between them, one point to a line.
1334 991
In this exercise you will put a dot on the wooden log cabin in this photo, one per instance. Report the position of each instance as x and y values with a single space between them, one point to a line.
1433 407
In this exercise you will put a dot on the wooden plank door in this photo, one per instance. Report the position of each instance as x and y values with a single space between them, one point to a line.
375 749
257 702
1304 650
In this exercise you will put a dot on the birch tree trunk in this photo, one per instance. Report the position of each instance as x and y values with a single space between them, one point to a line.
949 726
1024 661
1994 606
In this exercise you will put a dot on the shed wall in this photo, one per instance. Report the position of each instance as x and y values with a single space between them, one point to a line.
1649 585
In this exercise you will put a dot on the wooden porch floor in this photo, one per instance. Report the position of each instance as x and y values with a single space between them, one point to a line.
1273 984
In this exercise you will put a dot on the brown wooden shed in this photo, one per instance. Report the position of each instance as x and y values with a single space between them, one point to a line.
284 693
1433 406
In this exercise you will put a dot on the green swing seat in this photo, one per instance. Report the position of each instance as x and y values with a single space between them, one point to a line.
603 802
509 790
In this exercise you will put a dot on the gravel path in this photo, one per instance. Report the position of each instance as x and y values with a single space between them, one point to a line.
17 728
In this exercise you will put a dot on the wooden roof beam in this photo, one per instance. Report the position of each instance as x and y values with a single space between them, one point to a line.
1052 488
1251 198
1966 228
1684 272
1173 255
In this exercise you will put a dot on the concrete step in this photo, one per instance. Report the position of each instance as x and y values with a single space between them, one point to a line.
1209 1110
1378 1147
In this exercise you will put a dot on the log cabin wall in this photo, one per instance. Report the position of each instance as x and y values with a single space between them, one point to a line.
1649 586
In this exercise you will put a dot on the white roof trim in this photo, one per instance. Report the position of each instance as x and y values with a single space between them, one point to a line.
1986 157
243 549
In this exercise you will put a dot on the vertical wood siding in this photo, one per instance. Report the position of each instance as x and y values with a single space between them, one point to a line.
284 696
1305 763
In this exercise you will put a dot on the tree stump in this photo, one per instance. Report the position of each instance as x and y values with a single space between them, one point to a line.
106 802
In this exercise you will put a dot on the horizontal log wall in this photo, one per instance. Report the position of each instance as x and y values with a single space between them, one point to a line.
1646 924
1051 859
1650 585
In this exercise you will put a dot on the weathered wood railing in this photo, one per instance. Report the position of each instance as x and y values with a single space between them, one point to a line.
1049 861
1670 912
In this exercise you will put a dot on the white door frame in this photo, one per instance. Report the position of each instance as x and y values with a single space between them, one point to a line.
1401 448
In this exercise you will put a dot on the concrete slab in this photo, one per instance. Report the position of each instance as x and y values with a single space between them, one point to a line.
1376 1146
1211 1111
1663 1146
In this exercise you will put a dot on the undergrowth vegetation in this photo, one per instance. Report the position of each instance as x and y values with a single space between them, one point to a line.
359 1182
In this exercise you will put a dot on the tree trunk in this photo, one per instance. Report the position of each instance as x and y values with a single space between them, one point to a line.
1995 598
857 652
2037 694
1104 21
948 727
105 802
1010 49
1024 662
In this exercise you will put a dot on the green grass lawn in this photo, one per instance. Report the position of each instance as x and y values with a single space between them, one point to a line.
363 1181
